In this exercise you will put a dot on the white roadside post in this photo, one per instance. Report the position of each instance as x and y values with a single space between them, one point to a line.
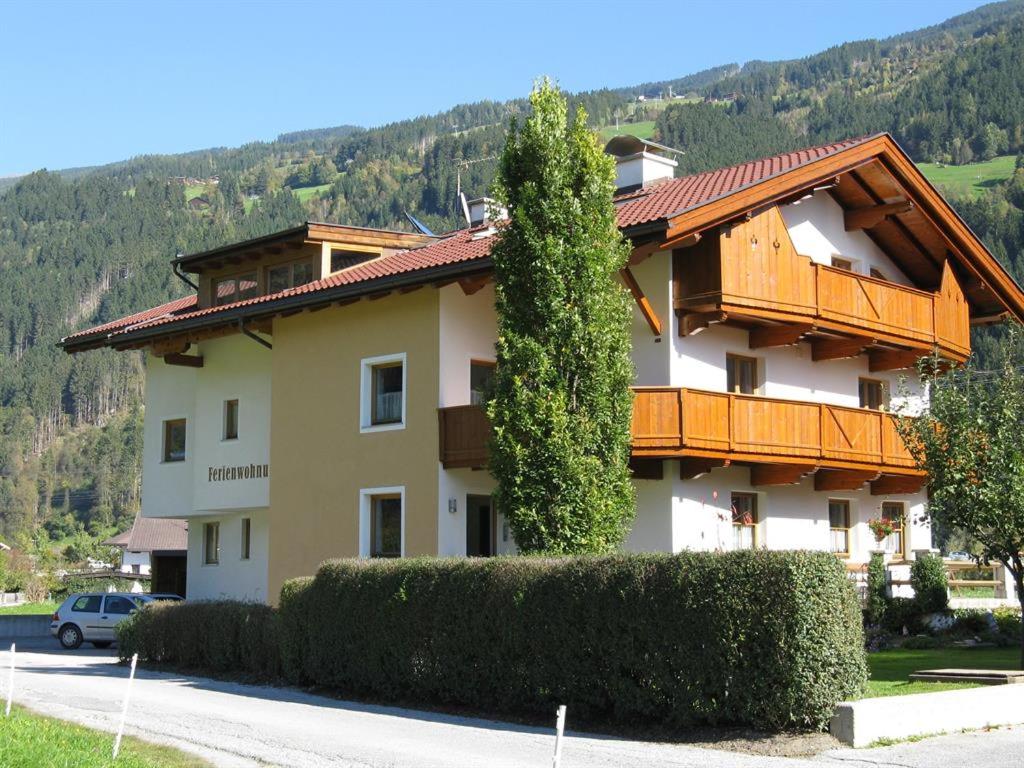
10 685
124 709
559 730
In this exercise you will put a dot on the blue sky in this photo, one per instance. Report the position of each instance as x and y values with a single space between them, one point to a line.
89 83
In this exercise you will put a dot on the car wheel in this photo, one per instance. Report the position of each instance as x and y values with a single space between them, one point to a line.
70 636
101 643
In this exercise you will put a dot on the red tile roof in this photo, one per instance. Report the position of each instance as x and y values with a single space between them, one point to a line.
644 206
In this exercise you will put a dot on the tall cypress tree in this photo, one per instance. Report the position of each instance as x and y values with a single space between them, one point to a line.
561 405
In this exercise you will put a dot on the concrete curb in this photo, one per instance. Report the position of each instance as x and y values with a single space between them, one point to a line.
860 723
25 626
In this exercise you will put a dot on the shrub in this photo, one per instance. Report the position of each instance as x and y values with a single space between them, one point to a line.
921 643
972 621
224 636
1007 621
902 613
878 598
931 587
769 639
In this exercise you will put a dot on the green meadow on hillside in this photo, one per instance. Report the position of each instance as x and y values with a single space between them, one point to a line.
971 179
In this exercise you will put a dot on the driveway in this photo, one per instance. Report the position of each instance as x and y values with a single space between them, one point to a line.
241 725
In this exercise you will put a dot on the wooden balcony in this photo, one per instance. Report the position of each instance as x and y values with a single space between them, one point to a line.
751 275
464 434
782 440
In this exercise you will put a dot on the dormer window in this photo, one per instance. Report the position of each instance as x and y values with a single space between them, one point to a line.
285 276
237 288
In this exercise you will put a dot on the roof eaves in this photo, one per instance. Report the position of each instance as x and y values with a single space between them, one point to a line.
300 300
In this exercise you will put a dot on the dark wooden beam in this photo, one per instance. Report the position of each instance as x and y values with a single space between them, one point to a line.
841 479
837 349
778 335
471 285
692 467
682 240
778 474
873 215
644 251
897 484
694 322
892 359
641 301
647 469
191 361
378 295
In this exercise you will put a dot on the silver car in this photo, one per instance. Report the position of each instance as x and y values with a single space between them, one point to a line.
92 616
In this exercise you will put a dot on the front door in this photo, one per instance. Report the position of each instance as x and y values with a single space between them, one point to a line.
479 526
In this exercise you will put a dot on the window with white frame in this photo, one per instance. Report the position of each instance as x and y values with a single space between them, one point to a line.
383 390
211 543
382 522
231 419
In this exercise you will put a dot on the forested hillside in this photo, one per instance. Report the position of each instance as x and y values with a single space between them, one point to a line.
86 245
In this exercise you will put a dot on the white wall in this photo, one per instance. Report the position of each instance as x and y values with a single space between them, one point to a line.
468 331
234 367
232 577
790 516
130 559
651 356
817 229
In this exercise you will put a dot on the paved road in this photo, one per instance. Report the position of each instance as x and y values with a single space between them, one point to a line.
236 725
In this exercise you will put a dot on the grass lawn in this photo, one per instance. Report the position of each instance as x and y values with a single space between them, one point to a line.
305 193
28 609
972 178
28 740
194 190
642 130
890 670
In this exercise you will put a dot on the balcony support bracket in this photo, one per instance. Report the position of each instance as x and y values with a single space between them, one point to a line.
837 349
778 474
692 467
892 360
842 480
778 335
641 301
897 484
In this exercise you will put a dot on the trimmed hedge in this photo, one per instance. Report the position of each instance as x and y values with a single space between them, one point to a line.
767 639
223 636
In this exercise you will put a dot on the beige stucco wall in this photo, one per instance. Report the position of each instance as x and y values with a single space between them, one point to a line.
319 458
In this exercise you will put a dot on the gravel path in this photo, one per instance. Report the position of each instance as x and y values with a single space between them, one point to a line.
240 725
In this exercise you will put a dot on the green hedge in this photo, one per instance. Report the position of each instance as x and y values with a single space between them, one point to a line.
223 636
767 639
930 585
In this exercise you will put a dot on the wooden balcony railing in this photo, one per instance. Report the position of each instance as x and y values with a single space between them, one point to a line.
684 422
670 422
754 274
464 434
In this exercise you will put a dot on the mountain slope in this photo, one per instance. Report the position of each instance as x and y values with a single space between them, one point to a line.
85 245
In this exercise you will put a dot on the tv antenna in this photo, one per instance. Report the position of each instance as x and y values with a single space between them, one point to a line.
458 181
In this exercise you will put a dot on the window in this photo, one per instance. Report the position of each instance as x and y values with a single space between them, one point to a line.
119 605
893 512
840 263
839 526
344 259
230 419
744 520
284 276
386 526
872 394
382 393
246 537
211 543
741 375
236 288
481 375
136 568
876 273
174 440
87 604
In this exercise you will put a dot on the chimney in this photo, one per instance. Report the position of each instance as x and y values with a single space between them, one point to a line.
639 162
484 210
